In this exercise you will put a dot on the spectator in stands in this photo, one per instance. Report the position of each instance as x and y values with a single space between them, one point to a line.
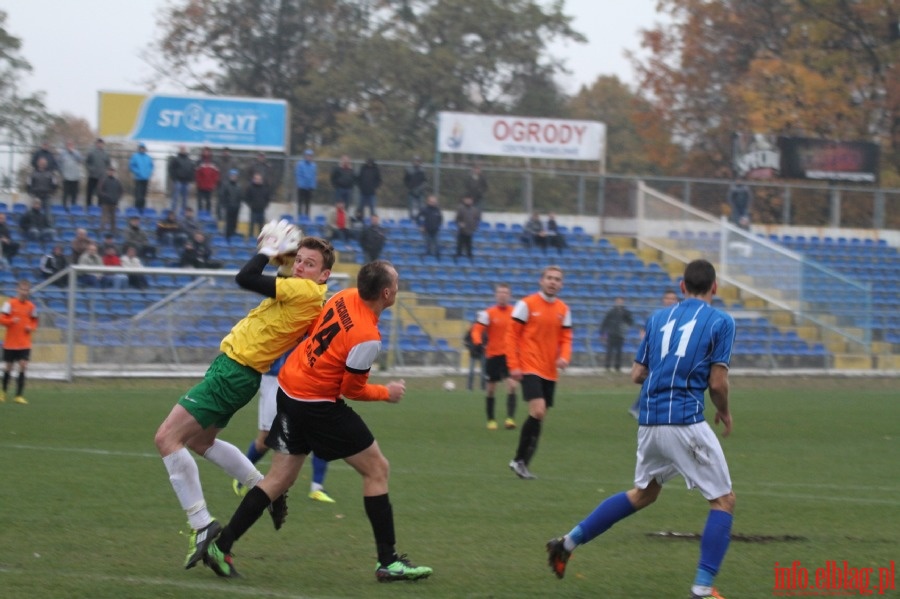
53 263
230 203
342 181
181 175
226 163
260 166
306 174
188 223
357 225
132 260
554 237
168 230
80 244
430 219
42 183
47 154
338 222
70 168
533 234
368 180
373 239
468 217
90 257
109 241
109 192
111 258
137 238
141 167
95 163
739 200
197 253
416 183
206 180
8 247
476 186
612 330
36 224
257 196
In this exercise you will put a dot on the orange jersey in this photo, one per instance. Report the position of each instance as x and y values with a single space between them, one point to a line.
21 320
539 334
334 361
494 322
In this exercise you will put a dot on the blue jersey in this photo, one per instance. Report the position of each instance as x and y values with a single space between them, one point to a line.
278 363
682 343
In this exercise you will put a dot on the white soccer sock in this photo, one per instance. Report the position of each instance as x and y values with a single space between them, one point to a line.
315 487
185 479
233 461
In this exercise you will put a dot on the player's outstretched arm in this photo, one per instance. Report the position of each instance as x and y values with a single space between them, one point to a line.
251 276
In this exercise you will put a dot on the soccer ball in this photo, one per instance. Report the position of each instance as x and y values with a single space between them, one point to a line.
449 385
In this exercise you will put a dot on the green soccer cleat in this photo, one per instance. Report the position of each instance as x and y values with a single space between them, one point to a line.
557 556
239 489
402 569
509 424
21 400
321 495
492 425
199 541
220 563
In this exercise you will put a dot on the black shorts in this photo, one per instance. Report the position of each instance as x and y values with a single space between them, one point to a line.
534 387
16 355
332 430
495 369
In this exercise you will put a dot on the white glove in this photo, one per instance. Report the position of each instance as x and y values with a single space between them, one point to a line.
279 238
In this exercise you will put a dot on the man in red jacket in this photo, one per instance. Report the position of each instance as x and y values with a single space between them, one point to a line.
206 177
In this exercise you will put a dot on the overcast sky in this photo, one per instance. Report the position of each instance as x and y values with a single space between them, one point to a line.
77 48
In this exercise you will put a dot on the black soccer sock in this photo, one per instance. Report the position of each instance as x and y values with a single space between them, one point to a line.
6 375
489 404
381 516
528 440
511 405
247 513
20 384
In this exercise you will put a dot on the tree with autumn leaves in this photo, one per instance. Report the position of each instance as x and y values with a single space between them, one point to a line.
815 68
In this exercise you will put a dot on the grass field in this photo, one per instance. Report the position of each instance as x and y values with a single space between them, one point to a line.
86 509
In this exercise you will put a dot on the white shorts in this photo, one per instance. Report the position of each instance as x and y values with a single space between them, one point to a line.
691 450
268 387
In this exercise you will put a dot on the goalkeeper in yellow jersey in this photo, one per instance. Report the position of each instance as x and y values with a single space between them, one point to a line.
276 325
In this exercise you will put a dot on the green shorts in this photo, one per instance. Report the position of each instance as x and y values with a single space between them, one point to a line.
226 388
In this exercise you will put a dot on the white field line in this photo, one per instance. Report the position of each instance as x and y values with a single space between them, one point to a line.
860 496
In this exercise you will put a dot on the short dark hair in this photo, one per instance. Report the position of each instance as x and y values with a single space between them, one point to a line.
373 278
322 246
699 277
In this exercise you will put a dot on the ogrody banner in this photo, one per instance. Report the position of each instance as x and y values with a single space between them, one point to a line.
529 137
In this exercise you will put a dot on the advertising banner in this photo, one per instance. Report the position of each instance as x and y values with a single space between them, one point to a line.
528 137
755 156
245 123
824 160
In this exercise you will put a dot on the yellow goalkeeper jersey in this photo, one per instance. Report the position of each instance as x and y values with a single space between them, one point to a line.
276 324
